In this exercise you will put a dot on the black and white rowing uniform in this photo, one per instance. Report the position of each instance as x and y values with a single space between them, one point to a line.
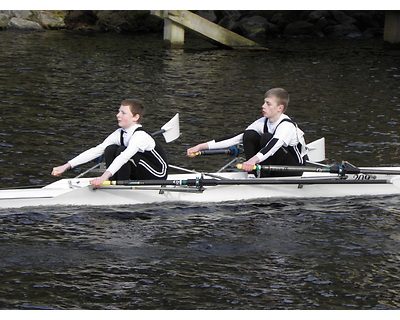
280 142
131 154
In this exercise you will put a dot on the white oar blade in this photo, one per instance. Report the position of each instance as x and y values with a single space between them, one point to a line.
396 182
316 150
172 131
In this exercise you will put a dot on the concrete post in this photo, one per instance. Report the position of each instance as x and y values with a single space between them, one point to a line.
174 34
391 34
176 21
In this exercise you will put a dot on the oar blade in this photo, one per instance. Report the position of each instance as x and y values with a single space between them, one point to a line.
171 129
396 182
316 150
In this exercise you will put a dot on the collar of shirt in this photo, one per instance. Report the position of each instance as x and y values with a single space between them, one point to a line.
127 133
272 126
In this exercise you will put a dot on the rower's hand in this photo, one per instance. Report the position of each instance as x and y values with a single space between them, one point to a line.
246 167
249 164
193 151
58 171
97 182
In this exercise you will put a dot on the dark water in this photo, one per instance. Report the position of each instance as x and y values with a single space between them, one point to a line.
59 94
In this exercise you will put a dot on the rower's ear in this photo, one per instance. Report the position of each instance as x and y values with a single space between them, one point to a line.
136 117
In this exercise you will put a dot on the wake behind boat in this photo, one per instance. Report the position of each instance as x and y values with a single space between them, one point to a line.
207 187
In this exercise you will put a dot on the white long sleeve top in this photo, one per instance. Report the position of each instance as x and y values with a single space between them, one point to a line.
286 135
139 141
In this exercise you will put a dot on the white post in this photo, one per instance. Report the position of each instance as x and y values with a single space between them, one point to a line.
174 34
391 35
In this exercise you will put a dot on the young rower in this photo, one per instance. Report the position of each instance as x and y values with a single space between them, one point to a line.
130 152
272 139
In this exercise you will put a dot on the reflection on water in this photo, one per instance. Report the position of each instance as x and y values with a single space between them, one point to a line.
59 95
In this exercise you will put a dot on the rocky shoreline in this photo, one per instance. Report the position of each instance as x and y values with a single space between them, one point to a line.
30 20
255 25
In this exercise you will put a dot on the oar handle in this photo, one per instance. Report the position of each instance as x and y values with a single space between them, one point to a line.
256 167
232 151
209 152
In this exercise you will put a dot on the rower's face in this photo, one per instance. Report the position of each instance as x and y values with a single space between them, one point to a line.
125 117
271 108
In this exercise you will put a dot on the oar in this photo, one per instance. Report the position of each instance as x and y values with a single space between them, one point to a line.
316 151
194 171
170 130
232 151
339 169
88 170
200 182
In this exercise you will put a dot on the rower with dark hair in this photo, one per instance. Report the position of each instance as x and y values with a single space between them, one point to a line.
130 152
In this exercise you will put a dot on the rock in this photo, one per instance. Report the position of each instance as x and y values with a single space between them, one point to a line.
80 20
367 19
271 29
4 19
342 18
228 23
50 21
299 28
24 25
207 14
253 26
22 14
123 21
373 33
232 14
342 30
228 19
319 14
280 20
249 23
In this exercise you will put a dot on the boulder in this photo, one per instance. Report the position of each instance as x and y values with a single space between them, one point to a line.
50 21
342 18
280 20
253 26
207 14
342 30
271 29
318 14
367 20
22 14
4 19
228 19
232 14
373 33
122 21
228 23
80 19
24 25
299 28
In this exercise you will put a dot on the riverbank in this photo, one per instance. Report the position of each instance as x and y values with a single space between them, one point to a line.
250 23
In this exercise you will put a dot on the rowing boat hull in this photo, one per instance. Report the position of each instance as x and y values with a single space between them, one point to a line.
80 192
